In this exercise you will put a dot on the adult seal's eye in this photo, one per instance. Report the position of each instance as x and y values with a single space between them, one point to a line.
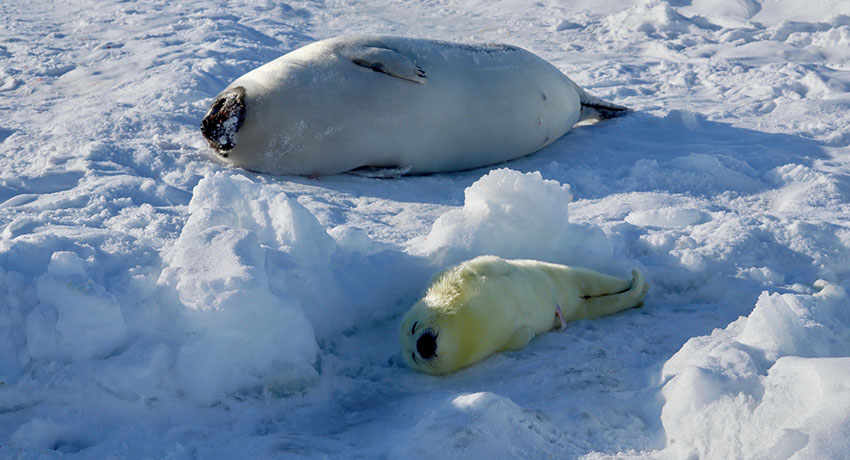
427 345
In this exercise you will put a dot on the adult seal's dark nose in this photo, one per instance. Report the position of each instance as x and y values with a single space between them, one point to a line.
427 345
223 120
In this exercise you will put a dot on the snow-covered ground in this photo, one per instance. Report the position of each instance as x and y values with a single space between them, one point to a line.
157 304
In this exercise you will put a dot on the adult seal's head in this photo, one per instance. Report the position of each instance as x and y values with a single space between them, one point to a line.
220 126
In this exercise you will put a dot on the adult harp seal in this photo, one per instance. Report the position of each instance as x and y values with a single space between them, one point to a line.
403 105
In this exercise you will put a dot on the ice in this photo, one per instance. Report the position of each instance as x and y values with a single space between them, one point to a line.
48 435
243 335
774 382
156 303
76 318
653 18
775 11
481 425
514 215
667 217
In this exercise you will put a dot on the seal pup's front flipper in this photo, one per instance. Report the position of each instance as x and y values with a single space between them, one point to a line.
388 61
519 338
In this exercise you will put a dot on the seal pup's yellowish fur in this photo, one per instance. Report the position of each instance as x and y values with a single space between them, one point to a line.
489 304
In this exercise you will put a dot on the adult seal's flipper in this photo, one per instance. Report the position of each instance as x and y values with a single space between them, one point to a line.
594 108
380 172
388 61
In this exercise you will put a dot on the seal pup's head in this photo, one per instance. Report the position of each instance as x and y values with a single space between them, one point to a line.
445 330
429 340
224 118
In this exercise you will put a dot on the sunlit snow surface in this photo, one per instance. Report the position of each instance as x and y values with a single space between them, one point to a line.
155 303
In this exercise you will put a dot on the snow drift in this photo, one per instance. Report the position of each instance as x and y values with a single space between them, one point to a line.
770 385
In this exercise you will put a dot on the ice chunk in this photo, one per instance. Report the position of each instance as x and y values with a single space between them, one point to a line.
738 9
482 425
76 318
652 17
667 217
770 385
514 215
65 263
796 325
245 337
45 434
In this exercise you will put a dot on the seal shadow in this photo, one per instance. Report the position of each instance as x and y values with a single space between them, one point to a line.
682 152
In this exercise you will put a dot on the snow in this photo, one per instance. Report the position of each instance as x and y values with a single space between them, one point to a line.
774 382
155 303
505 209
481 425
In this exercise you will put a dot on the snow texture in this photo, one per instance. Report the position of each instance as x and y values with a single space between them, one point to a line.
155 303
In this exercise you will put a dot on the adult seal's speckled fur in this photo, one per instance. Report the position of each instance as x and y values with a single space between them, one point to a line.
391 103
489 304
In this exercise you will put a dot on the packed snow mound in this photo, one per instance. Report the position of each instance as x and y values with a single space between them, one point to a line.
667 217
45 434
770 385
697 173
244 334
778 11
76 319
514 215
481 425
655 18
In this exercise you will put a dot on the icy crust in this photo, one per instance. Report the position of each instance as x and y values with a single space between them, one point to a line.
481 425
244 336
773 384
514 215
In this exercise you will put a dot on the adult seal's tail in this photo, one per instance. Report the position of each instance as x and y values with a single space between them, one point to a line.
379 103
489 304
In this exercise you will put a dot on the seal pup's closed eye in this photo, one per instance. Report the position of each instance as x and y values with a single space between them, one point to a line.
489 304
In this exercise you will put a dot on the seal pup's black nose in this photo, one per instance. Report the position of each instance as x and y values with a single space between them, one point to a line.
223 120
427 345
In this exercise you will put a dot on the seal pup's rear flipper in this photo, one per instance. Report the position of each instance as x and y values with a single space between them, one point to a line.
601 304
388 61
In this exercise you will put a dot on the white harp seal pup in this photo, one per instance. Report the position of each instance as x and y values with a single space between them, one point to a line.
488 304
405 105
